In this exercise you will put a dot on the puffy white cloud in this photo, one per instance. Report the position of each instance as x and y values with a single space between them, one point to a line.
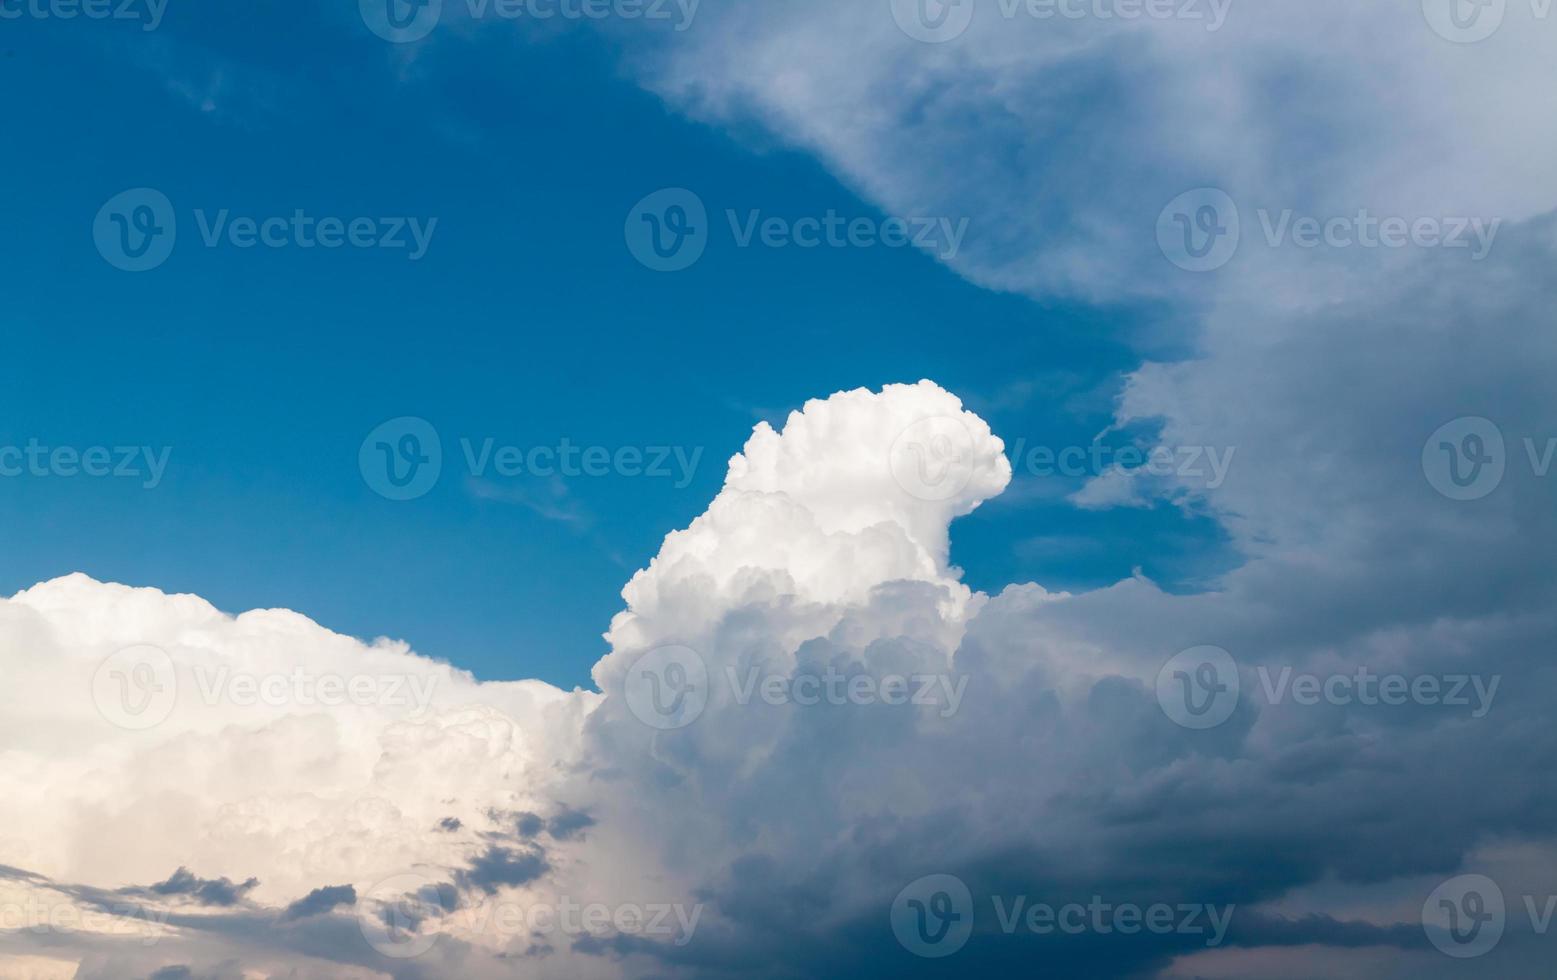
772 833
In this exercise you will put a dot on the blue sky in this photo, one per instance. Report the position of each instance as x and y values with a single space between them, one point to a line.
1174 689
527 321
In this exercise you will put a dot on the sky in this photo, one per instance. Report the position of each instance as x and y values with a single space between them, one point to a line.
527 321
777 490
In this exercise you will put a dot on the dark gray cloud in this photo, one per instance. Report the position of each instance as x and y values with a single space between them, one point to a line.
319 901
500 867
221 892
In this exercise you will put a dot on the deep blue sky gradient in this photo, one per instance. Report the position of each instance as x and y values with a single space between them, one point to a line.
528 321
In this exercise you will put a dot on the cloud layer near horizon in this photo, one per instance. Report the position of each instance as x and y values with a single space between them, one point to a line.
787 828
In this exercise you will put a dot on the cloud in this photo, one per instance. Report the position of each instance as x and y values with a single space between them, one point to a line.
784 827
205 891
321 900
1062 138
